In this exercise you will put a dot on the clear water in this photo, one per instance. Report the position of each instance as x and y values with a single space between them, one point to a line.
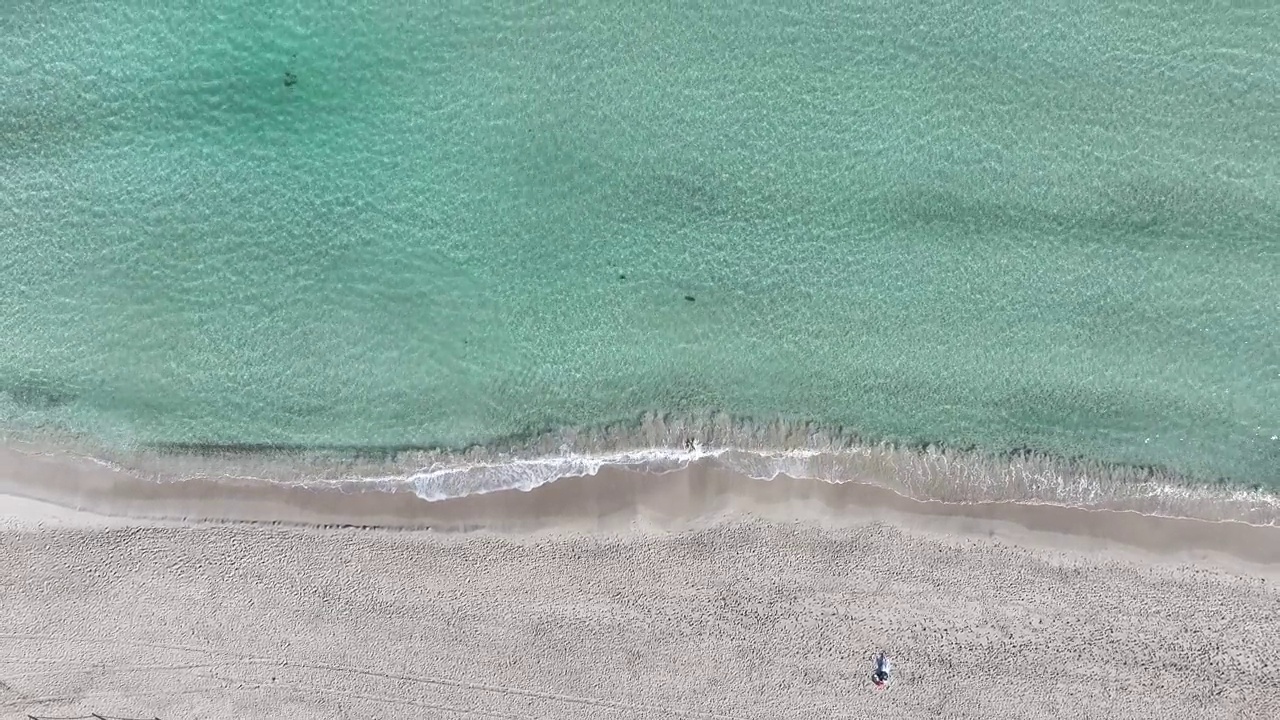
346 226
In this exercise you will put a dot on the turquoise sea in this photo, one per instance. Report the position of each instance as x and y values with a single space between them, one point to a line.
387 229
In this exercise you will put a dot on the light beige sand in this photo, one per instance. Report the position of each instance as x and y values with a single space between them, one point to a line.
691 595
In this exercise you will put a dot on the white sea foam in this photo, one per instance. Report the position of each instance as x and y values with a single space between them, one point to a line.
443 480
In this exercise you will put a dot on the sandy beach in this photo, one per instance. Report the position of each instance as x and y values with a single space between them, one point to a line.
695 594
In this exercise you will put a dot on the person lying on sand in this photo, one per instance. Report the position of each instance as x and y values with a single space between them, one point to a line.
881 676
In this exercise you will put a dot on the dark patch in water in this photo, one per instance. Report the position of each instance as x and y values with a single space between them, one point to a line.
690 298
1139 210
358 452
683 198
290 79
1133 471
305 409
687 194
39 393
344 451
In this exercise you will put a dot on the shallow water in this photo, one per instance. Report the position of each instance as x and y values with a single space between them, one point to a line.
385 227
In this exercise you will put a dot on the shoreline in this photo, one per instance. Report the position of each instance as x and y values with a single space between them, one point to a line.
617 499
662 444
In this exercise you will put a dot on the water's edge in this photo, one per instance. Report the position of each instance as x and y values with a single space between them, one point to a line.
659 444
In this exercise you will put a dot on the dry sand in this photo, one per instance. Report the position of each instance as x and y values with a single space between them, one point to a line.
689 595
